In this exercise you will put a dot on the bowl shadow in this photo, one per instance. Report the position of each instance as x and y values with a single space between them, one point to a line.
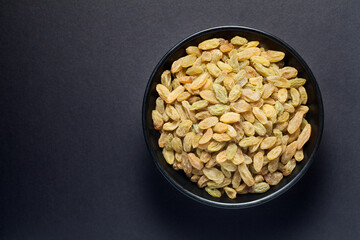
280 218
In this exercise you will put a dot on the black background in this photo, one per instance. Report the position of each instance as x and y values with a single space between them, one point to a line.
74 164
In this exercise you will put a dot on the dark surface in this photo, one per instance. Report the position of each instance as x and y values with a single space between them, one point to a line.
74 164
315 115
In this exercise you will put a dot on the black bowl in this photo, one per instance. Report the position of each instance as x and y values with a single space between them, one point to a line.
315 117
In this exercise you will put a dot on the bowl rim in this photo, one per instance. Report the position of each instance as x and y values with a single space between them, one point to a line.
267 197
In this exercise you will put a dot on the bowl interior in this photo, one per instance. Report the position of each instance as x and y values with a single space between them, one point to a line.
314 117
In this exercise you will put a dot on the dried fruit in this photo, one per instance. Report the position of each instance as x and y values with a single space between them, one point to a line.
303 109
289 167
267 91
288 72
213 192
190 114
221 157
168 155
258 178
274 56
261 60
289 108
247 53
269 111
274 153
238 40
202 182
205 157
279 108
208 122
260 115
199 105
193 50
248 141
174 94
220 127
221 137
252 44
188 60
264 71
258 161
230 117
195 178
289 152
238 156
303 95
162 91
202 115
242 189
218 109
273 165
176 144
157 119
251 72
260 129
284 117
216 55
224 66
164 137
230 192
231 131
213 69
199 81
250 96
205 56
235 93
255 147
240 78
187 142
215 146
220 93
209 96
295 122
170 126
240 106
206 137
226 47
209 44
208 84
282 95
246 175
273 178
248 128
231 151
247 159
166 79
269 127
299 155
297 82
295 97
160 107
195 161
194 70
279 81
304 136
214 174
172 112
259 187
176 66
268 143
183 96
